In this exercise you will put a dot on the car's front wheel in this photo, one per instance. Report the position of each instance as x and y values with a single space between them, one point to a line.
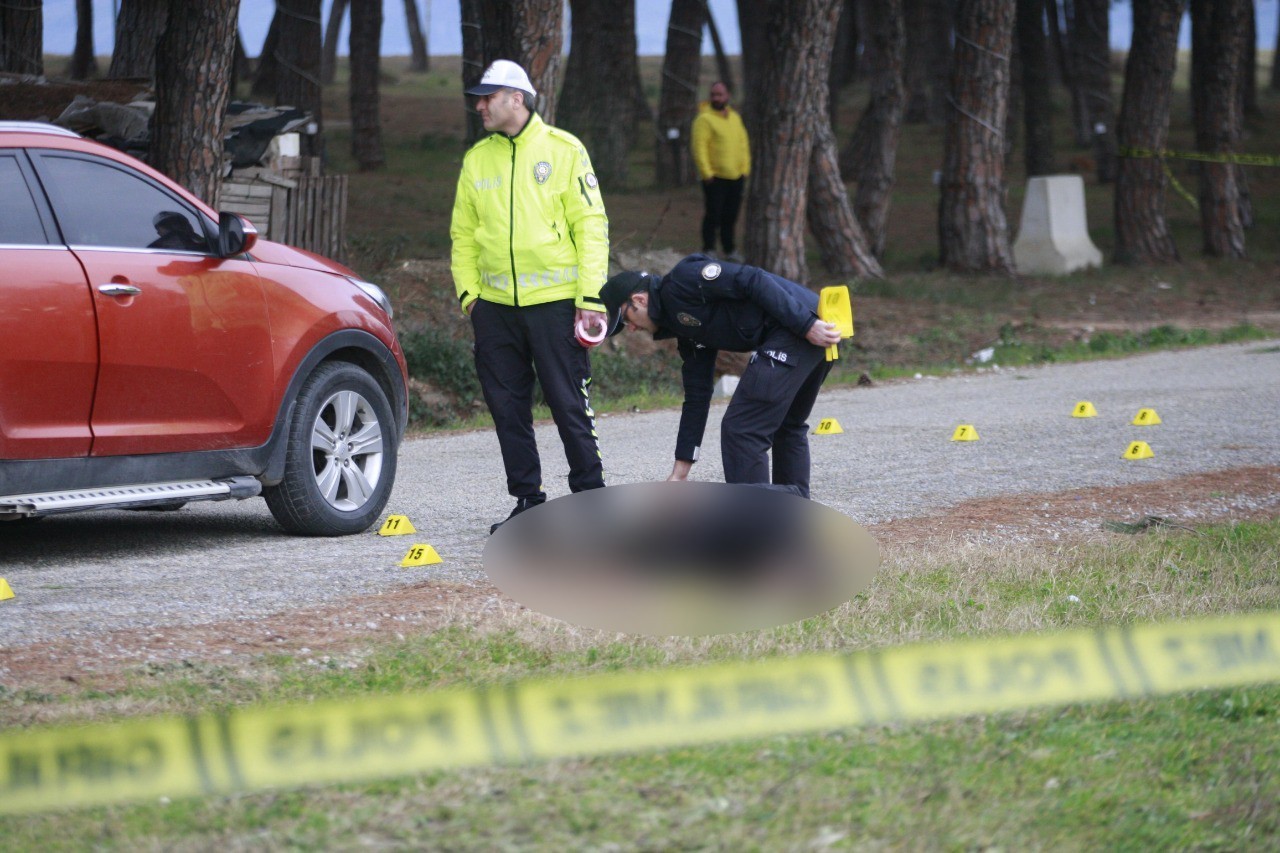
340 462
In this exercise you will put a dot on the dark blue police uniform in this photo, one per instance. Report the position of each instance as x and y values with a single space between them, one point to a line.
710 305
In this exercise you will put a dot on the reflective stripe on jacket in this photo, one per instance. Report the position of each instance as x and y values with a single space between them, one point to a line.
719 143
529 225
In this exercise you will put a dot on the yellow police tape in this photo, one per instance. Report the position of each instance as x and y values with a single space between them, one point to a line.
380 736
1166 153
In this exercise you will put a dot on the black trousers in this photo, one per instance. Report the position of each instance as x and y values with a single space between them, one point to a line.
723 199
516 347
770 411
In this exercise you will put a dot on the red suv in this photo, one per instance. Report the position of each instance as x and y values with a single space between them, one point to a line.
153 352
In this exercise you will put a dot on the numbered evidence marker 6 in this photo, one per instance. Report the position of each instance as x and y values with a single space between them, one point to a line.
828 426
1138 450
420 555
965 432
1146 417
396 525
1084 409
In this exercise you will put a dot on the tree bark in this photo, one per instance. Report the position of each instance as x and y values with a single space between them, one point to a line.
298 78
942 18
844 55
83 63
1142 234
1217 96
1037 99
723 69
138 29
595 103
365 40
753 29
1092 48
915 76
872 152
22 37
792 128
1249 93
419 61
678 100
529 32
193 70
842 244
332 33
264 77
973 231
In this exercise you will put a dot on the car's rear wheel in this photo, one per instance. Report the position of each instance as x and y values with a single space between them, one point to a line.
340 462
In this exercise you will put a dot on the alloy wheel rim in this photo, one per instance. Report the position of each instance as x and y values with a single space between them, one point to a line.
346 450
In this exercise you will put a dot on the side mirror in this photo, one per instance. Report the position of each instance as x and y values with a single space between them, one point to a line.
236 235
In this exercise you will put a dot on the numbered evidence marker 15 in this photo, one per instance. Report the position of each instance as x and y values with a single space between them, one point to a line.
396 525
420 555
828 426
1146 417
965 432
1084 409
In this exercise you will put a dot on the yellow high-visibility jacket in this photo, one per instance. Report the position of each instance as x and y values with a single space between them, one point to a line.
719 142
529 225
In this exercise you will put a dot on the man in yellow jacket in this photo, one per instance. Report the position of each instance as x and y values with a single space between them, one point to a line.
530 254
722 156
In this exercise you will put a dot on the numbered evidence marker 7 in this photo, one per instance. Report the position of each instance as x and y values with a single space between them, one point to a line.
965 432
420 555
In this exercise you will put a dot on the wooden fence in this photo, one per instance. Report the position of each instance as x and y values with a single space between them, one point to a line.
308 211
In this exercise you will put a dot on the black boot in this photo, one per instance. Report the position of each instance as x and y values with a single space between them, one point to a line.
521 505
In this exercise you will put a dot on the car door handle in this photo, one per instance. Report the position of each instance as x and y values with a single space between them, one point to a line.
119 289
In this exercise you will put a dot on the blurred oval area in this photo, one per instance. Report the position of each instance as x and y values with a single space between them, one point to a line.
686 559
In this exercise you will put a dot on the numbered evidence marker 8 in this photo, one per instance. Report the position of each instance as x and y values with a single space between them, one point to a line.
396 525
1146 417
1084 409
965 432
420 555
828 426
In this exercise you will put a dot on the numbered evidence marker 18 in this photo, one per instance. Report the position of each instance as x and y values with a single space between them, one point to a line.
420 555
828 426
396 525
1084 409
1146 417
965 432
1138 450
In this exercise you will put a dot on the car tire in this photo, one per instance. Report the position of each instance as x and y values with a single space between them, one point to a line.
340 462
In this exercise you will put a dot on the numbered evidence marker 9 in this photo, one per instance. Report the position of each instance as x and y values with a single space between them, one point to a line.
1138 450
828 426
965 432
1084 409
420 555
1146 417
396 525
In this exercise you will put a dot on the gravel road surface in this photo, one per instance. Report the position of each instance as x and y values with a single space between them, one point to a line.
83 574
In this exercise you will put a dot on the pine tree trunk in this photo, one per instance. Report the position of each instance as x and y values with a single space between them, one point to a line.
22 37
419 61
875 140
915 76
138 29
678 101
366 130
601 72
1037 99
83 63
753 22
193 69
842 244
1065 36
1142 234
264 77
1219 122
1093 67
298 77
723 69
1249 93
529 32
942 18
332 34
972 228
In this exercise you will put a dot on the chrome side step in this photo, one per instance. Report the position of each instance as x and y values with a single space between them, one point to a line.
140 495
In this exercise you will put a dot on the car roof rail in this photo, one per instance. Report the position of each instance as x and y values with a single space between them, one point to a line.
36 127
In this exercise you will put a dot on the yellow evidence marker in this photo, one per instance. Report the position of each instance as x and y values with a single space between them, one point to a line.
834 306
828 426
396 525
6 591
1138 450
420 555
1084 409
965 432
1146 417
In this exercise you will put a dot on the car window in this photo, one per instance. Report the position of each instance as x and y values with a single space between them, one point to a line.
100 204
19 222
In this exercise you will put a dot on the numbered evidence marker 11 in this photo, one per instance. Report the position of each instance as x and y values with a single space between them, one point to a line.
828 426
420 555
1138 450
1146 417
1084 409
396 525
965 432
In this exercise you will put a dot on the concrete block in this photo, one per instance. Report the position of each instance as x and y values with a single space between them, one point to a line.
1053 238
725 386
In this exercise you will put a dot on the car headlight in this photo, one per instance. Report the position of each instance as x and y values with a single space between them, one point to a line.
375 293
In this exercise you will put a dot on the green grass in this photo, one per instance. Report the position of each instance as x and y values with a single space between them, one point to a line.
1197 770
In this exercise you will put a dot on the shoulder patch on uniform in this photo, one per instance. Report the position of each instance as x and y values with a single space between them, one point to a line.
711 271
687 319
591 180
